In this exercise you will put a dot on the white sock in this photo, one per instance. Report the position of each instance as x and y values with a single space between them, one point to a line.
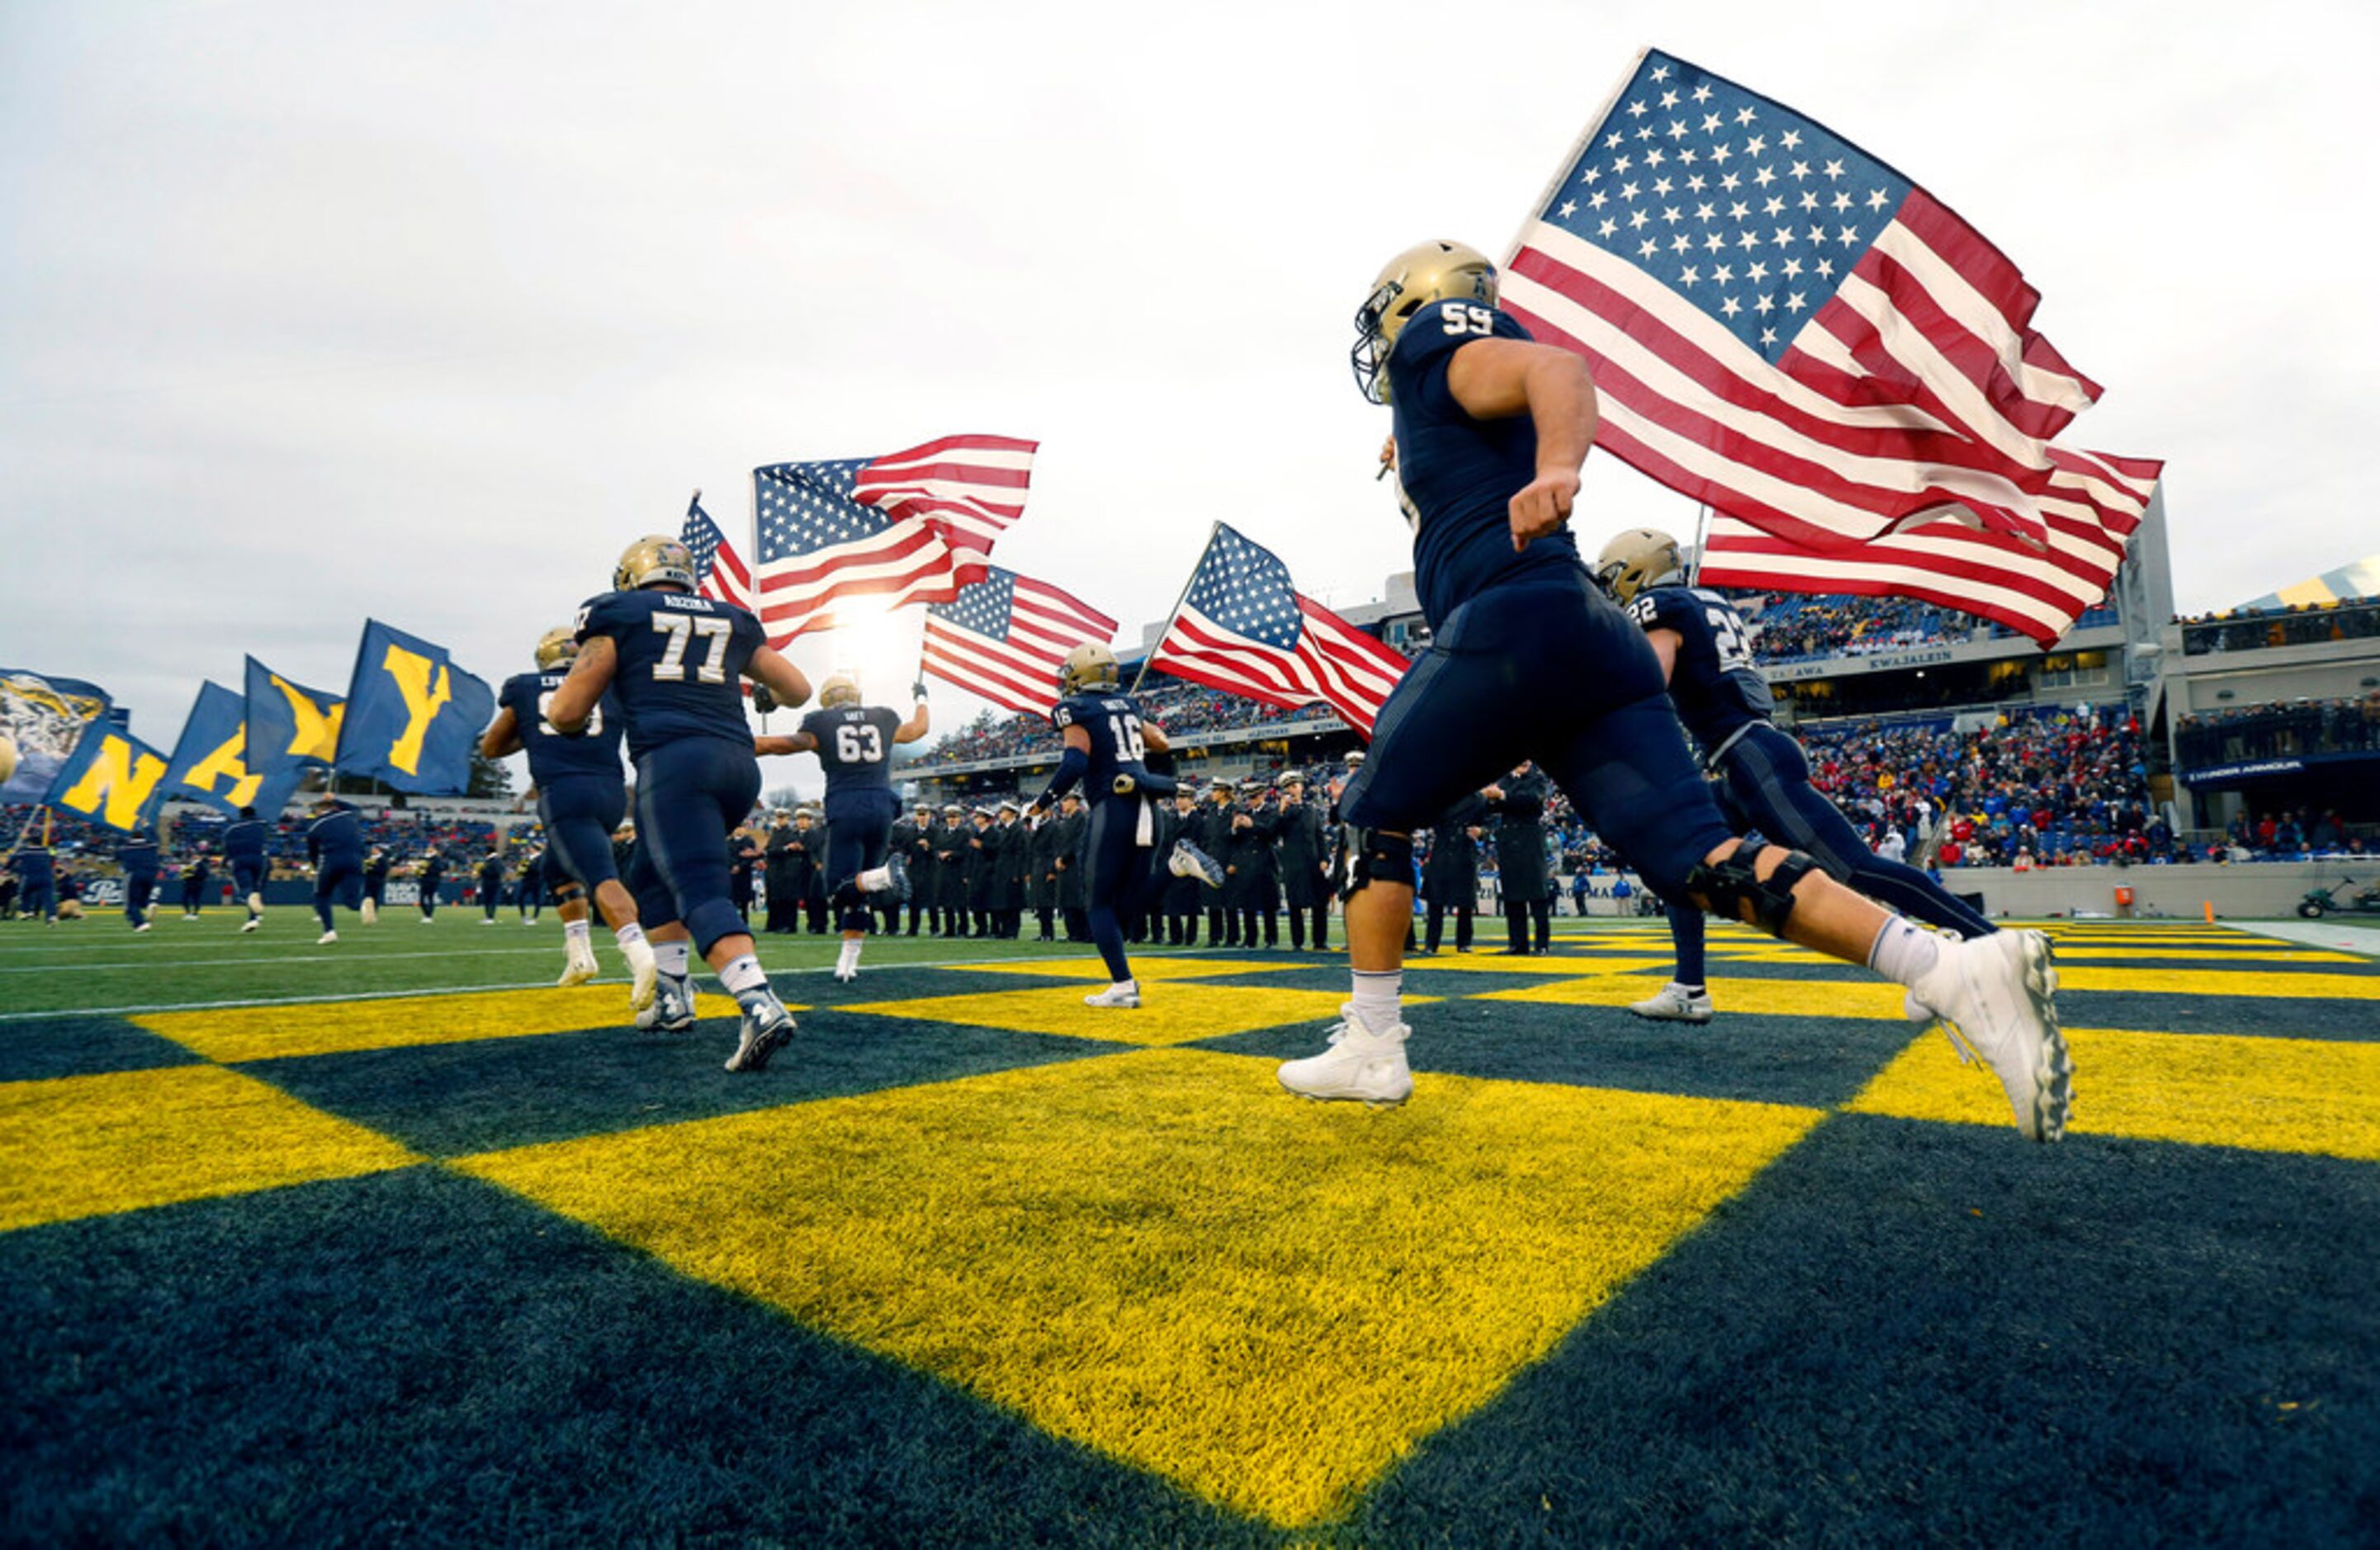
1378 999
876 879
575 935
1903 951
671 958
748 982
849 956
632 932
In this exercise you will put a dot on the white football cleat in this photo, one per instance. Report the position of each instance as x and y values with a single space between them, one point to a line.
761 1037
1996 997
326 938
1360 1066
672 1008
142 927
645 974
1125 993
1674 1003
252 923
582 968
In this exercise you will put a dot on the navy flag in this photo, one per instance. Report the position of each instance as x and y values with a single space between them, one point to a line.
414 719
44 718
113 778
289 725
210 763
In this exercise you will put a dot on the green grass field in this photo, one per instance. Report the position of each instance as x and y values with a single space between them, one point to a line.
392 1241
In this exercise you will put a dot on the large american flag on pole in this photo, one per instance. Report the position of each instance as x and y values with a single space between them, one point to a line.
719 569
1005 637
1242 628
913 526
1791 331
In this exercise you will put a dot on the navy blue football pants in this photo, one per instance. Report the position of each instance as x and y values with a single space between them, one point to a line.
1550 671
858 833
690 796
580 812
248 877
1766 786
138 889
1123 879
337 880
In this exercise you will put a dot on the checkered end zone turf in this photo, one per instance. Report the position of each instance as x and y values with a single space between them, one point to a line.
975 1262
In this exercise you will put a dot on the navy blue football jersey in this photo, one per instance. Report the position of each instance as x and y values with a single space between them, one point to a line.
1113 723
681 659
1717 688
244 842
337 835
1463 473
854 743
552 754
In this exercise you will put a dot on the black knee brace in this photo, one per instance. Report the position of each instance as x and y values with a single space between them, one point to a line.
1380 858
1726 887
568 894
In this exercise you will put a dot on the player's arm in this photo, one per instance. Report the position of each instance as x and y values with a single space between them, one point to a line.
1152 737
1665 646
590 674
797 742
503 735
784 680
915 727
1497 378
1072 765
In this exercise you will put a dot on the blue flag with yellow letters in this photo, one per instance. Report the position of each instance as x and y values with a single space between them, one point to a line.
414 718
112 778
44 717
289 725
210 763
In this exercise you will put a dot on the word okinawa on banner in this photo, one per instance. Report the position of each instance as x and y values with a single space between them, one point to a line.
413 718
1242 628
44 718
1791 331
289 725
911 528
112 778
1005 637
210 763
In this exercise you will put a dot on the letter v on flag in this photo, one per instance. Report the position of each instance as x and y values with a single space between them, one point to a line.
413 717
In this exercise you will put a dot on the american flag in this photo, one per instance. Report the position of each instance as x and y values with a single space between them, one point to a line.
911 528
1244 629
2036 592
717 566
1788 330
1005 637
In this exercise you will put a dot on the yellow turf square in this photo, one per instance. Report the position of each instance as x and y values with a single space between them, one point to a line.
1173 1012
1159 1254
333 1027
92 1145
1552 965
2215 983
1091 968
2268 1095
1795 998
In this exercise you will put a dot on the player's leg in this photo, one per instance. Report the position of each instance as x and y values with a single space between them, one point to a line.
325 877
711 785
1769 777
580 817
1686 999
1112 856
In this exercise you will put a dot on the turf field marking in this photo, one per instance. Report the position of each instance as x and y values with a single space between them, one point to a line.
1795 998
1092 968
2267 1094
335 1028
78 1146
1177 1011
1161 1255
320 955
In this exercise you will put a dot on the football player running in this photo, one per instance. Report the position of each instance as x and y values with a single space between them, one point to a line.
1705 654
1107 748
853 744
581 796
672 660
1528 659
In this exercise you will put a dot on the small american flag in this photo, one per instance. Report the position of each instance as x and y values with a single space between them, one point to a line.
1005 637
1244 629
1786 328
717 567
2035 591
911 528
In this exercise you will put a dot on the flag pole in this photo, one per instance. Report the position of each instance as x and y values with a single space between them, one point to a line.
1184 598
1702 536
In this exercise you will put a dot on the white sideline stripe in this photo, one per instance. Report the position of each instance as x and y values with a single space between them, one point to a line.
319 957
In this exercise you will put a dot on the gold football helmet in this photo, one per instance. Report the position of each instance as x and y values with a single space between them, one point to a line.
1089 668
557 649
1424 273
652 561
840 689
1639 558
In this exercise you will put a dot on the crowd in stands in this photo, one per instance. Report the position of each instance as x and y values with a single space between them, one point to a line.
1789 628
2304 624
406 836
1183 709
2278 731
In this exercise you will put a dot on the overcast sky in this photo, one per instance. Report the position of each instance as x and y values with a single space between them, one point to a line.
313 313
